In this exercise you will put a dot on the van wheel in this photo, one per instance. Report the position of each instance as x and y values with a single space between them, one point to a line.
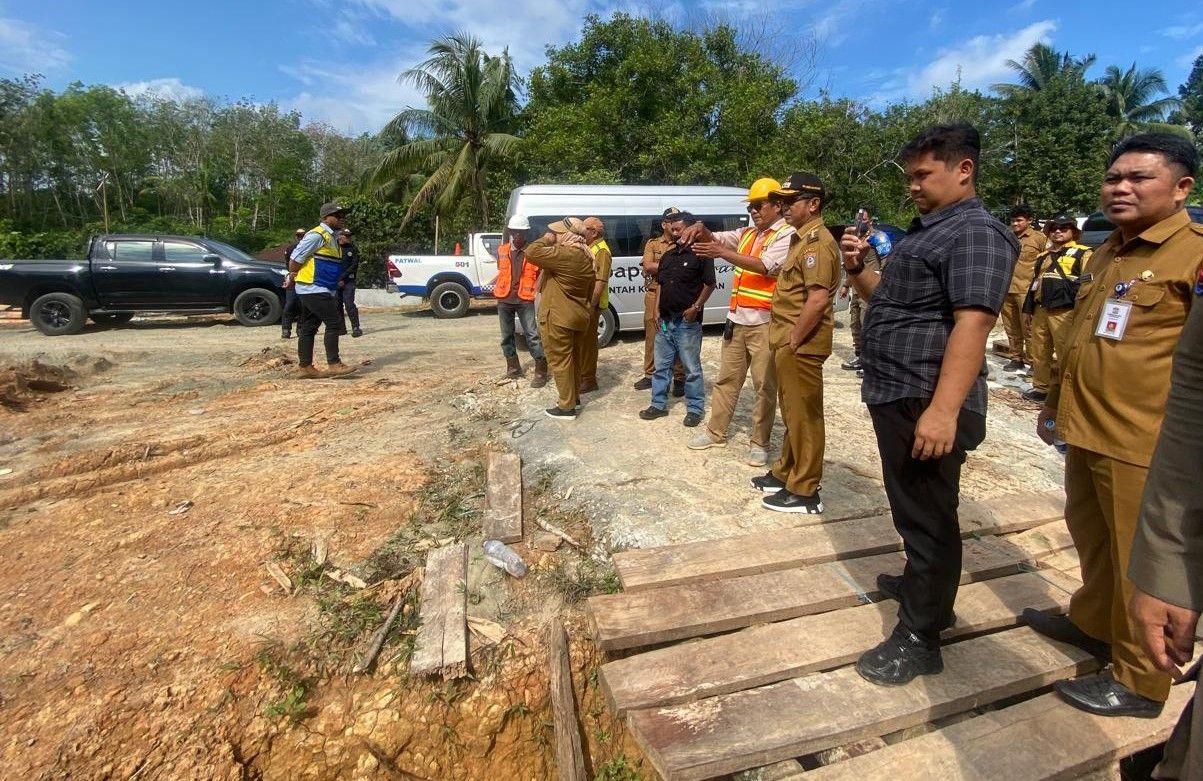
58 314
111 318
607 326
257 306
449 299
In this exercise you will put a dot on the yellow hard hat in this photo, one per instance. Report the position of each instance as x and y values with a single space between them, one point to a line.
761 189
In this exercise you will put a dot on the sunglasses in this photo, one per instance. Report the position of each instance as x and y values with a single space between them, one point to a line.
1062 227
757 206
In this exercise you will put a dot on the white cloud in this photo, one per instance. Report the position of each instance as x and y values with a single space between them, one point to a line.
1022 7
169 88
1187 60
355 99
937 18
978 62
26 48
1182 32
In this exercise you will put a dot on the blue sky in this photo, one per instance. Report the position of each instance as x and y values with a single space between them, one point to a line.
307 54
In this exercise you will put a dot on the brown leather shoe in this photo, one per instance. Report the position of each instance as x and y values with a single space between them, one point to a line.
309 372
513 368
540 378
339 369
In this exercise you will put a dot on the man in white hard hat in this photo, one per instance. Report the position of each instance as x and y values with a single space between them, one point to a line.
514 290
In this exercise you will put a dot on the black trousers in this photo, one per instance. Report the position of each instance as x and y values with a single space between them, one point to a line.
292 309
316 309
346 302
924 496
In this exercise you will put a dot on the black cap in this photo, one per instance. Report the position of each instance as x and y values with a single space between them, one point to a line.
803 183
332 208
1064 219
671 211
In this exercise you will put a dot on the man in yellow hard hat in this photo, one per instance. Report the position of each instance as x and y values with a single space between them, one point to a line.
758 253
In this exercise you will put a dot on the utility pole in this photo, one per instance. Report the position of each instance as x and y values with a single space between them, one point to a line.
104 198
436 234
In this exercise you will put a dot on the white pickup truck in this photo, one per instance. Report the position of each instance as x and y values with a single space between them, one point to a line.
450 282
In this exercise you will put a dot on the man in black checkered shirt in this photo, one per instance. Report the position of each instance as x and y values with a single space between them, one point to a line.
923 350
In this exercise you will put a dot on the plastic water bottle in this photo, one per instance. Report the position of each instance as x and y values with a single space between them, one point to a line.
501 555
1058 443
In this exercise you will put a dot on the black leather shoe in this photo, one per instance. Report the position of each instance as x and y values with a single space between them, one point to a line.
767 483
1034 395
786 502
1060 628
891 587
692 419
564 414
1103 695
651 413
899 659
678 388
852 365
643 384
1013 366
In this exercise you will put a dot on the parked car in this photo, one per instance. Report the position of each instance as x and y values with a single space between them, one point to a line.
127 274
449 282
1097 227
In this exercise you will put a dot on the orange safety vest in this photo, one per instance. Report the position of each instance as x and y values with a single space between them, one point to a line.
751 289
526 282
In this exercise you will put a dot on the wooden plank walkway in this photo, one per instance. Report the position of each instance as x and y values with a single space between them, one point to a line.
442 643
503 499
748 554
801 602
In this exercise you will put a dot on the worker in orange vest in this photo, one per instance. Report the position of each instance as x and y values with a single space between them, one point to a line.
758 252
514 290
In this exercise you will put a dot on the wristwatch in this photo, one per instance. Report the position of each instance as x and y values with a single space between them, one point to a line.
855 270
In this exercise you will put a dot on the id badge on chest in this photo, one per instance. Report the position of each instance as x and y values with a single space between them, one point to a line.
1113 320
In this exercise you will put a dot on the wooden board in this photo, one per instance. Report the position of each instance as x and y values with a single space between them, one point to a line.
441 646
733 732
503 500
775 652
796 547
1042 738
639 618
570 758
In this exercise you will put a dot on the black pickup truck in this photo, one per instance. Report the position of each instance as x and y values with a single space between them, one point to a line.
126 274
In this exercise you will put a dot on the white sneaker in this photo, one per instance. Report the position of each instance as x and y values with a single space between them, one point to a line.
758 456
704 441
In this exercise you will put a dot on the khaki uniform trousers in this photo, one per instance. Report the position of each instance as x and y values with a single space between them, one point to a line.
747 349
1048 344
649 339
589 352
800 390
1102 502
563 347
1012 322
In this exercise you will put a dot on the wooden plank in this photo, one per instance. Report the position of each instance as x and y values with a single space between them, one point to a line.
441 646
638 618
570 757
748 554
775 652
733 732
1042 738
503 501
1041 541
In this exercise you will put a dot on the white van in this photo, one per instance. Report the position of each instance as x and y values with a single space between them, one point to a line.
632 215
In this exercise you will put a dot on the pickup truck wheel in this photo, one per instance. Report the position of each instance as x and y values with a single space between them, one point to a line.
607 326
449 299
58 314
257 306
111 318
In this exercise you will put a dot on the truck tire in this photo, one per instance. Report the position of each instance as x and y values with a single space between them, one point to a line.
257 306
58 314
607 327
449 299
111 318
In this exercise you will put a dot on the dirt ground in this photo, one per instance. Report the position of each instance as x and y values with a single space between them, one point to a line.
151 473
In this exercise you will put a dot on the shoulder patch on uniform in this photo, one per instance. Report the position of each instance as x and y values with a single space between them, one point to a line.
813 235
1199 284
810 261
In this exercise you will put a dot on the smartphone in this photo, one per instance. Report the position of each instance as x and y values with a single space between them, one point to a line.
862 229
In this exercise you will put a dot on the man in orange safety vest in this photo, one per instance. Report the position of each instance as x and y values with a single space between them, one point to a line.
515 293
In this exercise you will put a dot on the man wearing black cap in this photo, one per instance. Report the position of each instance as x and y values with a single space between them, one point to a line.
652 250
346 284
923 345
292 304
1050 299
315 267
800 335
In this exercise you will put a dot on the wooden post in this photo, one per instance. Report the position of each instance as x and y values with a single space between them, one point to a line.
570 758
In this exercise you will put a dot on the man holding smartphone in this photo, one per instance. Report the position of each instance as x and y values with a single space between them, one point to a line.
879 248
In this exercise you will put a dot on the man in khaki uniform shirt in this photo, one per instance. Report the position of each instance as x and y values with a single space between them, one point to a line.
800 336
652 250
595 237
1108 404
1031 243
758 252
565 285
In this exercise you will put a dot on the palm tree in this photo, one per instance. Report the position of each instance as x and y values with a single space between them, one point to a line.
1130 100
471 101
1041 64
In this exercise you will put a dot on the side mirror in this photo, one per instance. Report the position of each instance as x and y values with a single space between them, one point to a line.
214 259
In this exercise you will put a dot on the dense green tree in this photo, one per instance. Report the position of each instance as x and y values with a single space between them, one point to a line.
1132 101
1190 95
471 98
1042 64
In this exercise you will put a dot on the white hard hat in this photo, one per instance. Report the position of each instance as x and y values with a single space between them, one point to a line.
518 223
